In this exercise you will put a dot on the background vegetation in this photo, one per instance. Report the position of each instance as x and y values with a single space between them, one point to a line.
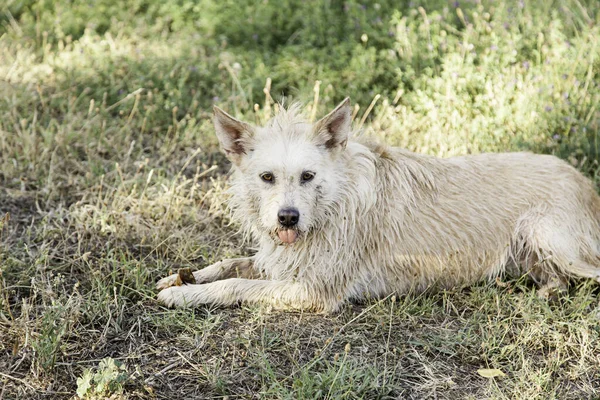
110 177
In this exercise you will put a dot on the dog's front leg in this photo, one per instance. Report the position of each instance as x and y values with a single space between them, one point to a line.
233 268
279 294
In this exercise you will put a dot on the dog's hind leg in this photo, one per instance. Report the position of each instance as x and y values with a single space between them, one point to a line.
559 248
571 255
233 268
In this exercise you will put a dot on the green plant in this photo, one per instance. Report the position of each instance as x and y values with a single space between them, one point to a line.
105 380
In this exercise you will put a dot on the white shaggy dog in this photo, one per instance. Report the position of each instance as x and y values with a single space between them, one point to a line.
338 218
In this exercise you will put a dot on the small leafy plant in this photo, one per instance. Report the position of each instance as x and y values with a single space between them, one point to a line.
104 381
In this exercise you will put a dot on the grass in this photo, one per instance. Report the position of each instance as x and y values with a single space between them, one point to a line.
110 178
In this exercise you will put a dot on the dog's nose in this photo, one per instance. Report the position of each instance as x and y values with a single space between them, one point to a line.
288 217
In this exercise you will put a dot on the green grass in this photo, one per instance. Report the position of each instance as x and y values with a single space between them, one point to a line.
110 178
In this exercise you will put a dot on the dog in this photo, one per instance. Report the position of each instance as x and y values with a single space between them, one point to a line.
340 218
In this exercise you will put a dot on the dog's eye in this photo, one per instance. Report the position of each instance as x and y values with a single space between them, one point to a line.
267 177
307 176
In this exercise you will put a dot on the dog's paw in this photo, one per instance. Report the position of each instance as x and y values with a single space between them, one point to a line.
174 296
184 296
167 282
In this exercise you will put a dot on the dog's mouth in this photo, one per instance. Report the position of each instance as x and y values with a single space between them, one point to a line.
287 236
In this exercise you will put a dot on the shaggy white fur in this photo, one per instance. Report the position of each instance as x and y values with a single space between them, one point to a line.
375 220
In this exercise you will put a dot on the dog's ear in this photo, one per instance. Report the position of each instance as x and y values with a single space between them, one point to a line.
333 129
234 135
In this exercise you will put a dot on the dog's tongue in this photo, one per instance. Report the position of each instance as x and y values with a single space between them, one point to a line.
287 235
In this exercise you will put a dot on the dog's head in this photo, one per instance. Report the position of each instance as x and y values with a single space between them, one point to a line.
286 174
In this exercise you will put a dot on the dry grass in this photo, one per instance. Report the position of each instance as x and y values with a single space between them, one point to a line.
110 178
